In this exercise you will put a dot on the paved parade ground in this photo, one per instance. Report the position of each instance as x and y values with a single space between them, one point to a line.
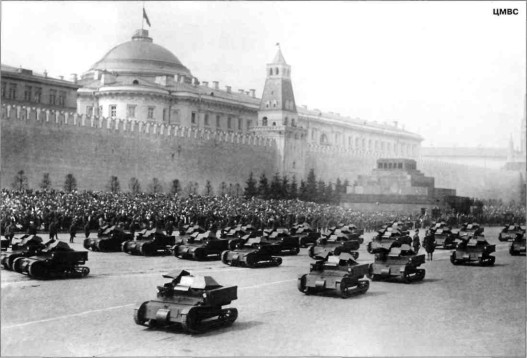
455 311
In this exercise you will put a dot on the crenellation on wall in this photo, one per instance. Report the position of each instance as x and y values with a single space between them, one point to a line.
35 115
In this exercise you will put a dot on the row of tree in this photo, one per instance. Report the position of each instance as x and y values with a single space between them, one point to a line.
70 184
281 187
21 182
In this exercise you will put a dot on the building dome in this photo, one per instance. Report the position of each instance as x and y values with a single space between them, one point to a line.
141 56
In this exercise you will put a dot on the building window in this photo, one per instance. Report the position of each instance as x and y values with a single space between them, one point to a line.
218 121
62 98
112 111
4 86
37 95
130 111
12 91
193 118
27 94
293 123
165 115
285 121
229 122
264 121
150 114
175 117
240 126
52 96
89 110
276 71
270 72
206 120
249 124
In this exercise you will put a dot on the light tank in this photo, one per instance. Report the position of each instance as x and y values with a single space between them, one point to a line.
27 245
190 301
305 234
333 245
152 242
473 249
254 252
201 247
400 262
337 273
385 240
56 260
509 232
109 243
518 245
282 241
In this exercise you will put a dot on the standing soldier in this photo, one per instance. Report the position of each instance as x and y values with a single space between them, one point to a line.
87 228
415 242
9 232
73 230
53 229
32 230
429 243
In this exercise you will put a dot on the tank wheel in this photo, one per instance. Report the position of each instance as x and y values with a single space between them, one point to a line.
301 284
295 250
224 257
139 314
84 271
228 316
421 273
175 250
370 271
191 322
343 288
17 264
124 247
250 260
364 285
10 261
146 250
277 261
368 248
102 245
407 278
512 252
232 244
453 258
311 251
37 269
199 255
491 260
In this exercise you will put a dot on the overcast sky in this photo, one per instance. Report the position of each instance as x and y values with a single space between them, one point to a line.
450 71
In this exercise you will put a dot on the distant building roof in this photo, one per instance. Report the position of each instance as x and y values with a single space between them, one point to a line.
27 74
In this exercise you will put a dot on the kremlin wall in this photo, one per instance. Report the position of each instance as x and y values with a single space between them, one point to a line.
141 113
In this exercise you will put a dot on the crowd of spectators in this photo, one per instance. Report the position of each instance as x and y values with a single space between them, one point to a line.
41 208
